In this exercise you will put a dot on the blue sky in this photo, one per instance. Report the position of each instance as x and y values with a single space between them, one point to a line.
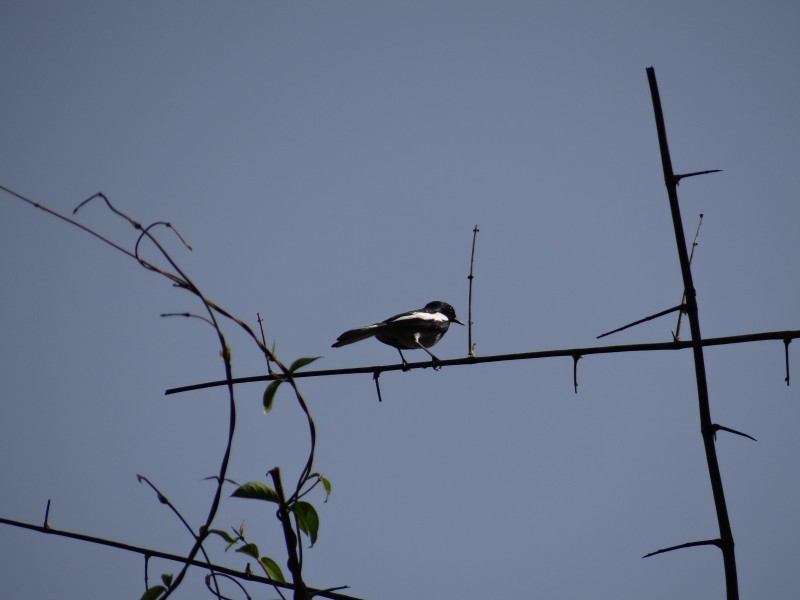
327 162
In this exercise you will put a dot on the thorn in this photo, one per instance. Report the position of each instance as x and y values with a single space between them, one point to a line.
575 359
47 515
786 343
717 427
651 317
716 542
375 377
685 175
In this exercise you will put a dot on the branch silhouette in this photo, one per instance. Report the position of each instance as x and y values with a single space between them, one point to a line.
149 552
376 370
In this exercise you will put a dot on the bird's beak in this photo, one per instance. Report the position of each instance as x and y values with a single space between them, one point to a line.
457 321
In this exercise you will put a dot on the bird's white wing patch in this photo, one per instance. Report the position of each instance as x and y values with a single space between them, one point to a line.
421 316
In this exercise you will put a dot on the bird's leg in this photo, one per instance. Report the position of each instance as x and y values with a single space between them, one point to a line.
403 358
436 362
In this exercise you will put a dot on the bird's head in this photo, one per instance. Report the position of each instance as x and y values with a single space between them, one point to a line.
444 308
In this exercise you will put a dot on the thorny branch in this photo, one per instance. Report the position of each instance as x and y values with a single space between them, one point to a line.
726 542
570 352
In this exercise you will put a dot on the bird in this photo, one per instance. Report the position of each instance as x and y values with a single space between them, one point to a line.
420 328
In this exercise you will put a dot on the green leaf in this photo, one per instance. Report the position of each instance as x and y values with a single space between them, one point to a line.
272 569
154 592
250 549
327 485
255 490
167 579
225 536
269 394
302 362
307 518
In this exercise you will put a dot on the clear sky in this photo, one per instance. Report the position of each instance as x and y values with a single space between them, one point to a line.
327 162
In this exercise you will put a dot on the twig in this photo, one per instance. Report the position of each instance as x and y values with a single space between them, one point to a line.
264 341
471 277
166 501
232 580
677 334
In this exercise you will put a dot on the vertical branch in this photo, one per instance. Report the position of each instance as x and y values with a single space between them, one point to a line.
706 425
471 350
290 537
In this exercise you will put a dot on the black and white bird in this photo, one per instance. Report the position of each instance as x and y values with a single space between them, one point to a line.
410 330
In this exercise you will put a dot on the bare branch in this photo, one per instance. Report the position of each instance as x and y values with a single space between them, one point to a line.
659 346
149 553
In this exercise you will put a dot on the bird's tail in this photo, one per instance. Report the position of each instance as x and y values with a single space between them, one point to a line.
356 335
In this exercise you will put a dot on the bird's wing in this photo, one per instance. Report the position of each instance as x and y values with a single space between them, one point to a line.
416 316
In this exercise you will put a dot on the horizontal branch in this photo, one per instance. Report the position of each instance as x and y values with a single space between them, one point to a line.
571 352
173 557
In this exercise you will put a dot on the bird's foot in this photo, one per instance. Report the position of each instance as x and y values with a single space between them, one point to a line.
405 365
436 363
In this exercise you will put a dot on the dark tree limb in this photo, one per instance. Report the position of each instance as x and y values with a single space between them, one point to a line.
726 543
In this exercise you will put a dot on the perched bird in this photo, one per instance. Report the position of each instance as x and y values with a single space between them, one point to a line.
420 328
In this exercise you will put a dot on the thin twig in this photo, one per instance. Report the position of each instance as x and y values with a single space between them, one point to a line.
677 334
232 580
471 277
264 341
168 503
